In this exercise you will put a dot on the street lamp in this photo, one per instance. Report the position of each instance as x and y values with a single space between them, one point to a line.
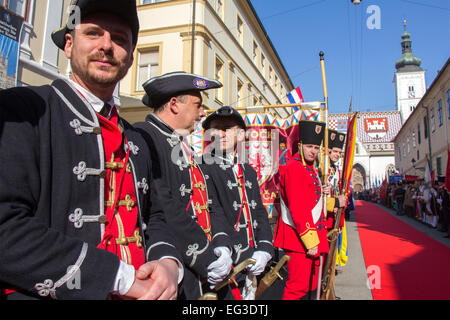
356 2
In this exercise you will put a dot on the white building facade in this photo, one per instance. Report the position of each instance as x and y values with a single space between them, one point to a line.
409 79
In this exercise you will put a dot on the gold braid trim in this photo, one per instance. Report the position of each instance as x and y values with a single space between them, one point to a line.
330 204
310 237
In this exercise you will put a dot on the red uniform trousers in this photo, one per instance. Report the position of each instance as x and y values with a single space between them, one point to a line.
303 275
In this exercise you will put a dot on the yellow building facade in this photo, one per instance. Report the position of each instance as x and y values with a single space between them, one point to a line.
229 44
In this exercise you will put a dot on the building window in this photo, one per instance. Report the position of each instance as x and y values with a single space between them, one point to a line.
425 127
439 108
148 66
414 139
255 100
270 76
433 120
448 103
419 138
411 93
399 153
407 144
249 94
263 64
439 166
239 93
218 6
255 53
17 6
240 30
418 155
277 88
219 77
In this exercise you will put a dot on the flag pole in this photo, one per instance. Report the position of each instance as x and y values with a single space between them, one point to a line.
324 165
272 106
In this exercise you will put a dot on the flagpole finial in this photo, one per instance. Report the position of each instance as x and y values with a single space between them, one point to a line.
321 54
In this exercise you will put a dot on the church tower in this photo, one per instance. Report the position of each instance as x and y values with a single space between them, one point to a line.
409 79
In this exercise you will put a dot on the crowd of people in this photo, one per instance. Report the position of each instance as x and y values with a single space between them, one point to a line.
425 202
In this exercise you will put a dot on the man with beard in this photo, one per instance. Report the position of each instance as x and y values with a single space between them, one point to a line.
75 220
239 195
192 210
301 229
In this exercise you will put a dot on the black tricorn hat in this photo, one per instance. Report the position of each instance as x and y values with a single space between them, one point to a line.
159 90
225 111
441 179
125 9
311 132
336 139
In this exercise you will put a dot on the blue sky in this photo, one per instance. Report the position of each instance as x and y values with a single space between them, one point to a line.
359 62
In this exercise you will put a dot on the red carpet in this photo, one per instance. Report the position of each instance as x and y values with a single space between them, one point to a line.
402 262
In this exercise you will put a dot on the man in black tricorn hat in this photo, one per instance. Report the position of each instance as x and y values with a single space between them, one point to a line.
301 226
75 219
192 209
239 195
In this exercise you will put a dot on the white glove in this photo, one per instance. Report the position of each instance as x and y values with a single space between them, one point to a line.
261 258
219 269
249 290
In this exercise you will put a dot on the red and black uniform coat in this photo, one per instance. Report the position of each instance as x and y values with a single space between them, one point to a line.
301 225
174 164
240 199
52 196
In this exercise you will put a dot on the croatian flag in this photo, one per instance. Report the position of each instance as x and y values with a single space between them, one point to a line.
295 96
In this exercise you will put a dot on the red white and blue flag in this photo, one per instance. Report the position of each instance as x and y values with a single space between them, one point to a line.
295 96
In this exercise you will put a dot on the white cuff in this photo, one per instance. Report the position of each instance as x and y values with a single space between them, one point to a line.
124 279
180 268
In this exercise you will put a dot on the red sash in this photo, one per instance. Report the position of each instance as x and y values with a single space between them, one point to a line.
199 196
122 235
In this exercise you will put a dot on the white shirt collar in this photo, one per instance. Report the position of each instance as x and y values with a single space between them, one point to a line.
93 100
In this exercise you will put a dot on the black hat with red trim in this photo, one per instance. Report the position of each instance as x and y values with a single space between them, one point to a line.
311 132
336 139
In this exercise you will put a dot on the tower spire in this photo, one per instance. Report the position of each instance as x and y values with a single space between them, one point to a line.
407 62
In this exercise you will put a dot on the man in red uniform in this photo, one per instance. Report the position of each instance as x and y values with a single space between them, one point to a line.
301 227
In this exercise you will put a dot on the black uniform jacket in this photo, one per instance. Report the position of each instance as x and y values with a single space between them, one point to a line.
52 170
226 183
173 182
